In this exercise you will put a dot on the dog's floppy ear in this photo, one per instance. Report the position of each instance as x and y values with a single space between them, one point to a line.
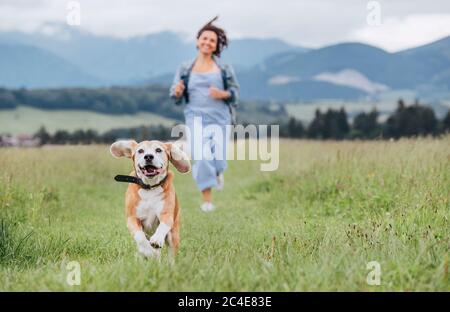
123 148
178 158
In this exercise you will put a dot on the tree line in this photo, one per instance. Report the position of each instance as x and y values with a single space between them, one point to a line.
93 137
405 121
112 100
122 100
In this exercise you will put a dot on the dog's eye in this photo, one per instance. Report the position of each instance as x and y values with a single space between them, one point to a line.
140 151
158 150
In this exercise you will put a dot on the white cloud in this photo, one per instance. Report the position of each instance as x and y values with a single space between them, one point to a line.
304 22
397 34
29 16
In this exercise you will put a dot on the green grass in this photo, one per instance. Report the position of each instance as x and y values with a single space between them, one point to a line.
28 120
314 224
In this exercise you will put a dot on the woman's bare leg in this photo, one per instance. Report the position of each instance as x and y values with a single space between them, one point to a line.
207 195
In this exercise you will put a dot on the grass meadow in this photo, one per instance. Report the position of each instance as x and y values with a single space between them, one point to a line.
313 224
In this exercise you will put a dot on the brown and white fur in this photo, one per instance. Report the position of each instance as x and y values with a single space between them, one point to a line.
156 208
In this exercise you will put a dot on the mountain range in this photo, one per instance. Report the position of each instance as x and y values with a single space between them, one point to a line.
349 70
267 69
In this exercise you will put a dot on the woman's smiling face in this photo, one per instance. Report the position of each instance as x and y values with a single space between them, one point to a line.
207 42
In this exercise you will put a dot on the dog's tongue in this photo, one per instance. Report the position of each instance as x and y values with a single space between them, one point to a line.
152 170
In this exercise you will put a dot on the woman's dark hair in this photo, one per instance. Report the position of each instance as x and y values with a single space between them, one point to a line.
222 41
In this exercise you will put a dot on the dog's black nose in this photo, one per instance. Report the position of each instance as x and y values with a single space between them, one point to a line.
148 157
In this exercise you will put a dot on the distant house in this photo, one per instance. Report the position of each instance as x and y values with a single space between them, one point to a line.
21 140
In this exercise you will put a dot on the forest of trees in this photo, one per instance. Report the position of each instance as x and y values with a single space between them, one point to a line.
405 121
91 136
113 100
122 100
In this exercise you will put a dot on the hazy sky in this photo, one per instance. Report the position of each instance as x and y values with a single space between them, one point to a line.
404 23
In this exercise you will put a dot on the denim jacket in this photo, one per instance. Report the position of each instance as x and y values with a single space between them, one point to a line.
229 84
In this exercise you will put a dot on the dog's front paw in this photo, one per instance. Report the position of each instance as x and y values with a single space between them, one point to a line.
157 241
144 246
148 251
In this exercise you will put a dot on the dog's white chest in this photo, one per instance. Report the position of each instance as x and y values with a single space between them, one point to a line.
150 205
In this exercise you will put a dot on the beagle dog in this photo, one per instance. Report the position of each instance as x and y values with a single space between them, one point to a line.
150 200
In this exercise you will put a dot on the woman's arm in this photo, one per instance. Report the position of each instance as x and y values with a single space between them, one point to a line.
232 86
218 94
174 87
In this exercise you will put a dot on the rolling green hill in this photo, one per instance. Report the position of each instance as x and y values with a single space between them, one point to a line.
29 120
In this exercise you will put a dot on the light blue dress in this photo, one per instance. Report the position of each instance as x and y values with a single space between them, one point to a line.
212 112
